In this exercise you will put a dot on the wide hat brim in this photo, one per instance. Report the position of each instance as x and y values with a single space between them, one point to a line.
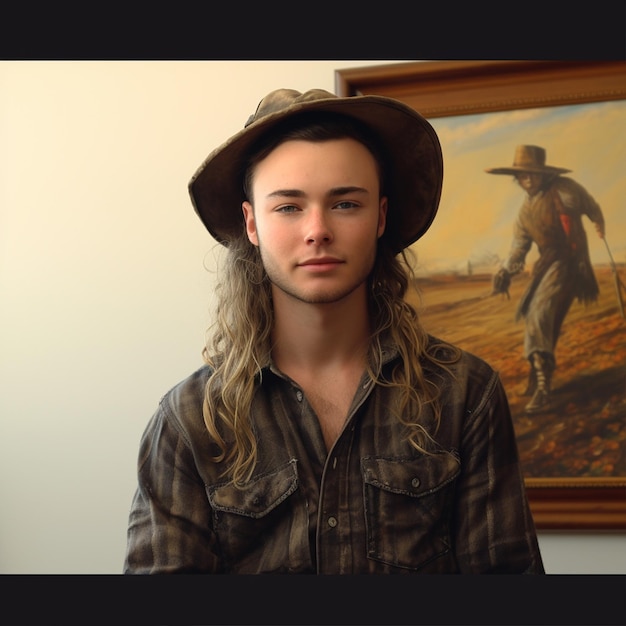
539 169
414 173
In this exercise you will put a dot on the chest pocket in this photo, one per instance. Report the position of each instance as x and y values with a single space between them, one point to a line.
408 508
252 523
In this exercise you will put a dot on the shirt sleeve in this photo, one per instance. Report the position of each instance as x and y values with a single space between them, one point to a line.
520 246
576 198
495 532
169 529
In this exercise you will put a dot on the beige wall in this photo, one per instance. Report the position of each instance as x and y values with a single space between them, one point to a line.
104 293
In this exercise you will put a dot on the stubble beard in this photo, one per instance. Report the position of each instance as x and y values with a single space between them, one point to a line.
318 295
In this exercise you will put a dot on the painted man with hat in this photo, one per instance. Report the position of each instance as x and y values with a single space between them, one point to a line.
551 218
327 433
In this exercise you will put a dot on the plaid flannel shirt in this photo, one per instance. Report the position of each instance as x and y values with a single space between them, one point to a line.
370 505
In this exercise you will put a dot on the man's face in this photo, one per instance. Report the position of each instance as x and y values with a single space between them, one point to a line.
317 217
530 182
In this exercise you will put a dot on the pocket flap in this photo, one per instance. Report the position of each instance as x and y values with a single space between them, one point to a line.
412 477
260 496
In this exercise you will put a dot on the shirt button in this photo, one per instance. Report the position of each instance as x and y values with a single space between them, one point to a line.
332 521
415 482
299 395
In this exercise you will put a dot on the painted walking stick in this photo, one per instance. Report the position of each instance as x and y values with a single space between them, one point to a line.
619 285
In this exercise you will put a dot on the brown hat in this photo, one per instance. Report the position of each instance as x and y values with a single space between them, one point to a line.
528 159
414 174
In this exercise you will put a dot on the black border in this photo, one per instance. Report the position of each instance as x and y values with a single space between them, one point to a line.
314 600
534 29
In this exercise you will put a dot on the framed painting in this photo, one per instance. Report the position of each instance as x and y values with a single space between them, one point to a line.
573 449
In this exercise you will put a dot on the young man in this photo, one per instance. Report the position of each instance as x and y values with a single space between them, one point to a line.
551 218
328 433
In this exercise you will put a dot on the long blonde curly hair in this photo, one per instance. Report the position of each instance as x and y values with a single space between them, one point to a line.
238 348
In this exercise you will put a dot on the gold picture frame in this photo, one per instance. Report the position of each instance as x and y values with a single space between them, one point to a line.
440 89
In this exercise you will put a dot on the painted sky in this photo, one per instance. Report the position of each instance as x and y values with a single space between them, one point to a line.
478 210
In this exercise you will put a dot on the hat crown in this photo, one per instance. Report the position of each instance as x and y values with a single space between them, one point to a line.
529 156
281 99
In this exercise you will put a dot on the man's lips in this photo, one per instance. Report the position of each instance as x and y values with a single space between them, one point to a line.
320 264
322 260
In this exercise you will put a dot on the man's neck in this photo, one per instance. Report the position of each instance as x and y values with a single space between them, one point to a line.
320 335
323 348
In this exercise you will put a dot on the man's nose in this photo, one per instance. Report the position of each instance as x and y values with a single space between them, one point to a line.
318 226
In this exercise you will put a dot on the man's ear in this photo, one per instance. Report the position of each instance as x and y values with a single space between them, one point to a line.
248 216
382 215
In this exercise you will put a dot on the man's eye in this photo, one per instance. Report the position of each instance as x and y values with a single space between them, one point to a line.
345 204
287 208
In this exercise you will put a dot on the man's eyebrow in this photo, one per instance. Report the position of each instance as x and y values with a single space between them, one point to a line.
286 193
334 192
342 191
